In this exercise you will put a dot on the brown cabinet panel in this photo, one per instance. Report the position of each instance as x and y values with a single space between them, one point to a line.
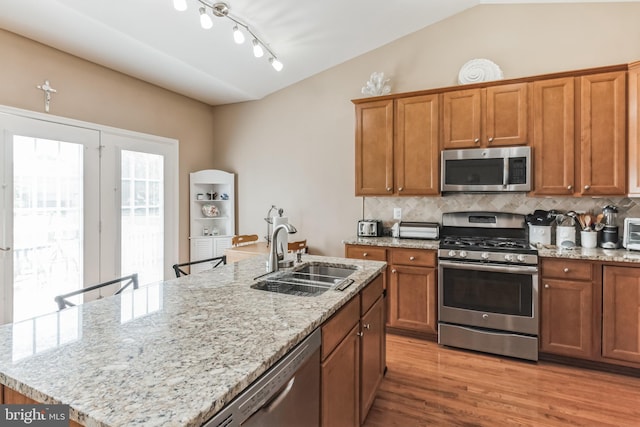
506 115
567 317
567 269
553 136
413 257
365 252
633 120
495 116
374 148
340 385
417 148
412 298
370 294
372 355
621 314
603 134
462 118
338 326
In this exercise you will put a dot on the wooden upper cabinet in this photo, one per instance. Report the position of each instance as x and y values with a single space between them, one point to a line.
417 151
485 117
461 120
553 136
621 314
633 87
506 115
603 134
374 148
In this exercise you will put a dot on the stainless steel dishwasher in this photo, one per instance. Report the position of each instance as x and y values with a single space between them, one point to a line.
288 394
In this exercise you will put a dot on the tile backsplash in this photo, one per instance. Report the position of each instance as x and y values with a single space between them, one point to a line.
431 208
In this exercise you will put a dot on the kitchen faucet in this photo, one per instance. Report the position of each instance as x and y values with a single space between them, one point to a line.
273 252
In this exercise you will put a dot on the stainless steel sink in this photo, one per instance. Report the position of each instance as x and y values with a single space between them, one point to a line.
308 280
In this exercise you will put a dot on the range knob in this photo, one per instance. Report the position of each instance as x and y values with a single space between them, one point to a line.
463 254
452 253
484 255
508 257
521 258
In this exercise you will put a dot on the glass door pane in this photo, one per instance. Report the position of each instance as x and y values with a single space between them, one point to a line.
47 223
49 210
142 215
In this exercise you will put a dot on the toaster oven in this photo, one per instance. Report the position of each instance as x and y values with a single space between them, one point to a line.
631 236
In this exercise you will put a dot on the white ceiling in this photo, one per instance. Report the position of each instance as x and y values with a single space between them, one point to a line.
150 40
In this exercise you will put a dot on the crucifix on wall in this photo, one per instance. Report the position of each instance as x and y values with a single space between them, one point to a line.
48 90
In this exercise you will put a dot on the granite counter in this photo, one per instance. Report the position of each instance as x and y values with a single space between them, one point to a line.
168 354
544 251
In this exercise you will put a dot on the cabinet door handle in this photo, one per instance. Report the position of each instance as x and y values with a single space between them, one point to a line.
587 187
490 139
5 249
366 326
365 254
477 140
569 187
546 286
401 188
566 269
394 271
412 258
360 334
389 189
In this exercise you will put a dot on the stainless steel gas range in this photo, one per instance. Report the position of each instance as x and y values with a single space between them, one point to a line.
488 284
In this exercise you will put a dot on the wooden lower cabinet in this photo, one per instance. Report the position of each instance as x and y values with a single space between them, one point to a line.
567 314
621 314
570 308
341 383
413 290
372 358
11 397
412 299
353 358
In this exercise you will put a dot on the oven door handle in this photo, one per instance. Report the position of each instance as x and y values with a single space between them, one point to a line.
489 267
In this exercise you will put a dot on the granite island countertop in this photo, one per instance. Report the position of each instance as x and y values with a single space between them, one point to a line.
171 353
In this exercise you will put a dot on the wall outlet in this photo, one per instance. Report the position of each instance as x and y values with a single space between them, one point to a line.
397 213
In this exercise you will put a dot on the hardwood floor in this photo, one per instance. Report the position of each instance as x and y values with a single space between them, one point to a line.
430 385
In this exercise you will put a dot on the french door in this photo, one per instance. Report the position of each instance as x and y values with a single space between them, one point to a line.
80 205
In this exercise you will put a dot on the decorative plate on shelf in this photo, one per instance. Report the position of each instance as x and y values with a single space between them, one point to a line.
479 70
210 211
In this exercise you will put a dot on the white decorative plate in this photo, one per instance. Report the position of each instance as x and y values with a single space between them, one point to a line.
479 70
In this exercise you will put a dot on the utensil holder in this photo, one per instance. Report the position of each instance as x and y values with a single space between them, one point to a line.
588 239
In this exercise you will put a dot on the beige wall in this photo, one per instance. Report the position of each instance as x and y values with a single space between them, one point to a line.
295 148
92 93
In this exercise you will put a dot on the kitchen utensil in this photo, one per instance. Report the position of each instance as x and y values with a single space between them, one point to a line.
599 218
587 221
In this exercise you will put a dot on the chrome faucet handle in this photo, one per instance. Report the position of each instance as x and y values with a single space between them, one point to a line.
299 256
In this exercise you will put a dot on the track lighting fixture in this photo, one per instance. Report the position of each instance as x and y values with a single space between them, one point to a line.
205 20
221 10
238 36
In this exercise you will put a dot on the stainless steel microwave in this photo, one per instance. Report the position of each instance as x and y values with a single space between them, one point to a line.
486 170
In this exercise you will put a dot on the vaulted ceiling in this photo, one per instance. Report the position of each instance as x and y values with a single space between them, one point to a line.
151 40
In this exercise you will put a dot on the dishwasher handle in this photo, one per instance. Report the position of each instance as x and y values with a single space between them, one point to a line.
270 406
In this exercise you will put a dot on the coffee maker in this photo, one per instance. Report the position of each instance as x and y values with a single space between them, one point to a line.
610 231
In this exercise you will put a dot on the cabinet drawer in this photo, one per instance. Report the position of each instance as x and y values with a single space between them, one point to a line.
371 293
415 257
563 269
336 328
366 252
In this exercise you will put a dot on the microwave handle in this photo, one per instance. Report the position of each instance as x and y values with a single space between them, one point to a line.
505 173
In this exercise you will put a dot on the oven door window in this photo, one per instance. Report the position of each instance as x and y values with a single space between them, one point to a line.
488 291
